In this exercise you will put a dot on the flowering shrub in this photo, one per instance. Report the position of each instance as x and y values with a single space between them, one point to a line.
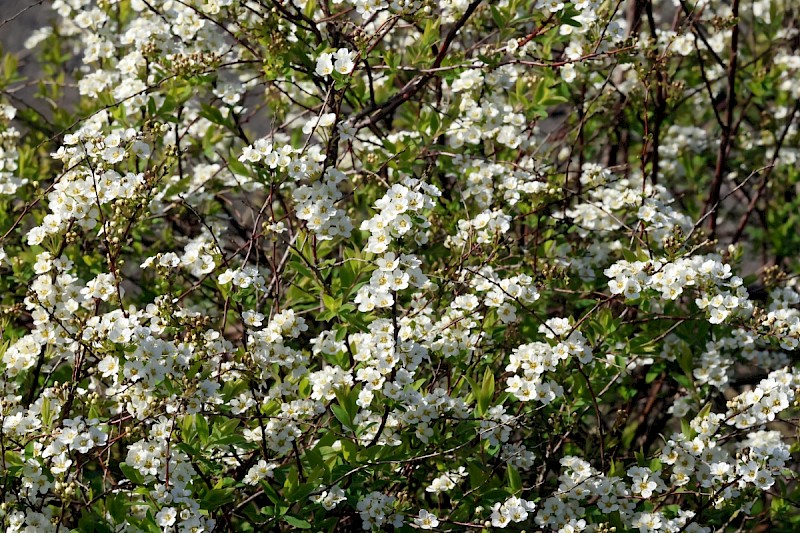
270 265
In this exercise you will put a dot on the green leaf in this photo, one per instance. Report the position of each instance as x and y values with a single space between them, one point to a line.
487 390
237 167
651 375
514 479
216 498
431 33
497 17
117 507
435 123
341 415
704 411
213 115
201 426
93 523
571 22
230 439
132 474
297 522
628 434
687 430
226 428
332 304
301 492
13 458
187 428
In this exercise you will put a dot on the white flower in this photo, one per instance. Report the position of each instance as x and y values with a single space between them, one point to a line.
166 517
109 366
426 520
141 149
324 65
329 499
344 61
60 464
226 277
568 73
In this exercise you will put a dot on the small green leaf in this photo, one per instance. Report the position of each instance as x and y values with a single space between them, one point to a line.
216 498
132 474
341 415
297 522
497 17
514 479
487 390
201 426
238 167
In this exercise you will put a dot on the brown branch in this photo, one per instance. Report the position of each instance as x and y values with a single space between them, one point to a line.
365 117
21 12
763 186
712 204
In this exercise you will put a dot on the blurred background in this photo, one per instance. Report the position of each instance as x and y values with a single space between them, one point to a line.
18 20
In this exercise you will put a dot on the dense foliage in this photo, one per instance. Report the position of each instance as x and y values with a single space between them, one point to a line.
269 265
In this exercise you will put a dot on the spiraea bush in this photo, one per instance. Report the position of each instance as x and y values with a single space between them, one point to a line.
389 265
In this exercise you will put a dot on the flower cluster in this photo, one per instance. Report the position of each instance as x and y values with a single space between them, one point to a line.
720 293
340 61
392 275
485 228
401 215
316 204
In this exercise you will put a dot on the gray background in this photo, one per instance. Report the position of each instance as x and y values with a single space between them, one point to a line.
18 20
